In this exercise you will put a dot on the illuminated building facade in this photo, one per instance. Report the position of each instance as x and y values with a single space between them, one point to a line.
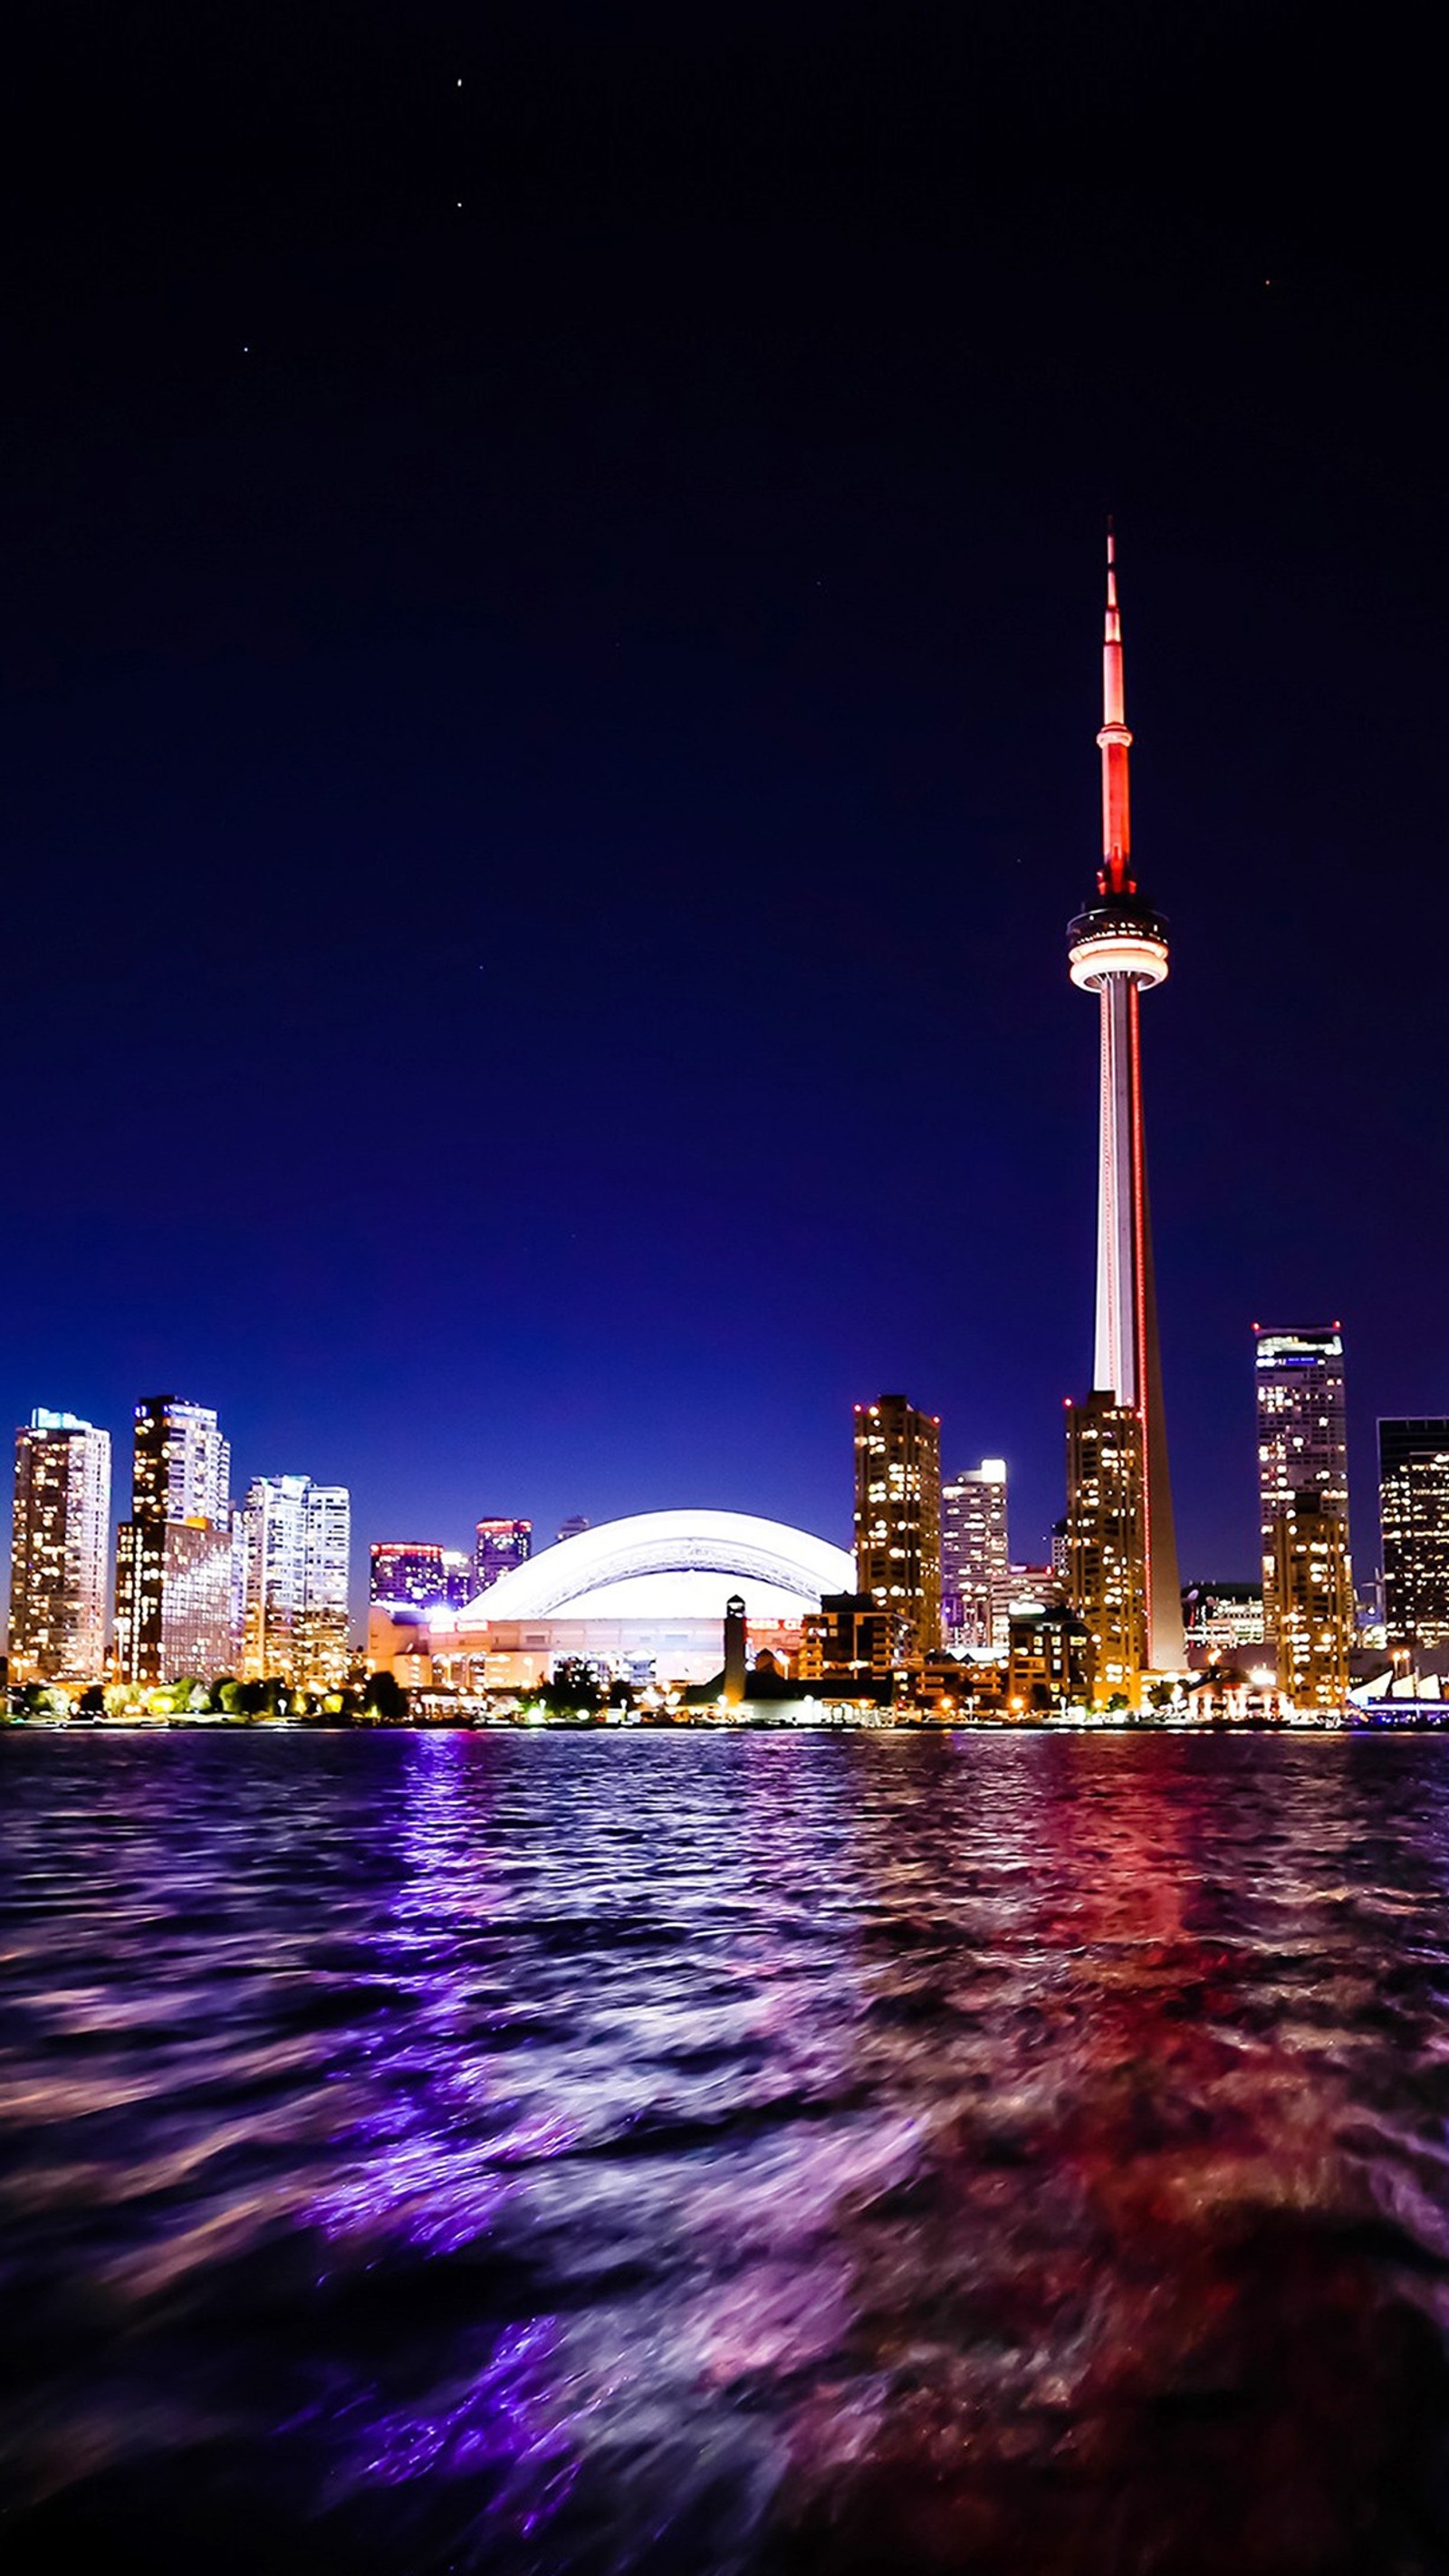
975 1557
406 1569
1106 1575
61 1551
1313 1601
500 1545
1414 1518
1223 1618
898 1519
1119 952
1049 1661
174 1555
296 1540
1302 1449
849 1639
641 1597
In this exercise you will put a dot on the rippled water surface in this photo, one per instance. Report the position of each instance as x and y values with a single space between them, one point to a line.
676 2152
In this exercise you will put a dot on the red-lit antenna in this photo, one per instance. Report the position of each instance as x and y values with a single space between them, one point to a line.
1114 741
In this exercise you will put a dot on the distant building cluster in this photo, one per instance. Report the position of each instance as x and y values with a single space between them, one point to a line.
204 1585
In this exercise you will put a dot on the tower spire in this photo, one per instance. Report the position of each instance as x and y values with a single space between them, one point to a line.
1114 742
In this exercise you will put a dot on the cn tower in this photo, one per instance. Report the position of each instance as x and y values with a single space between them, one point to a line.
1119 952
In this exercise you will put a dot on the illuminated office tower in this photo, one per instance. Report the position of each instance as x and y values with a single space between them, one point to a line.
460 1583
297 1538
898 1518
1414 1517
1302 1441
1313 1601
1119 952
174 1554
497 1545
1106 1584
975 1557
61 1550
406 1569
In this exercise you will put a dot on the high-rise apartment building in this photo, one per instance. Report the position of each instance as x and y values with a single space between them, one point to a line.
296 1539
62 1531
406 1569
1106 1584
898 1518
1313 1601
497 1545
1302 1449
975 1557
1414 1517
174 1555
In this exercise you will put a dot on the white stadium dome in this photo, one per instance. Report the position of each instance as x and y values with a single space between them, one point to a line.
669 1566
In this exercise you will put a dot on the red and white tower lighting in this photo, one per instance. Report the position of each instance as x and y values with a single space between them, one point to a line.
1119 952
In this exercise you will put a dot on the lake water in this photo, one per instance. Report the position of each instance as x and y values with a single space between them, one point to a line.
611 2152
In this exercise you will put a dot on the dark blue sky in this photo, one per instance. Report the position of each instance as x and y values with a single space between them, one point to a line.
548 744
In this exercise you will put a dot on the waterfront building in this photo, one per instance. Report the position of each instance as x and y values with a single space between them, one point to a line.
898 1519
1223 1618
61 1531
297 1537
1106 1575
848 1639
500 1545
1119 952
1050 1660
975 1557
1313 1601
1302 1448
1414 1517
406 1569
174 1554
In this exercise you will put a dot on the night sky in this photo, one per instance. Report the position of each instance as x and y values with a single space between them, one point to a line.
550 664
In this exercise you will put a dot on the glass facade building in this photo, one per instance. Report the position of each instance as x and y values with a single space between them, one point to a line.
975 1556
296 1541
174 1555
1302 1450
60 1557
1414 1520
898 1519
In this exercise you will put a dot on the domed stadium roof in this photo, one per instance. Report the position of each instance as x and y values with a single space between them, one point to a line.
606 1572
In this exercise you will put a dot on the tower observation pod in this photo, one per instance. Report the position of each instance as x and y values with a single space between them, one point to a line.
1118 950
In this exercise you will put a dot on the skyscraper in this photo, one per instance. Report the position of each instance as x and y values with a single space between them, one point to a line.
1302 1446
1106 1574
62 1532
975 1557
296 1541
499 1544
1414 1517
1119 951
173 1556
898 1518
1313 1601
406 1569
